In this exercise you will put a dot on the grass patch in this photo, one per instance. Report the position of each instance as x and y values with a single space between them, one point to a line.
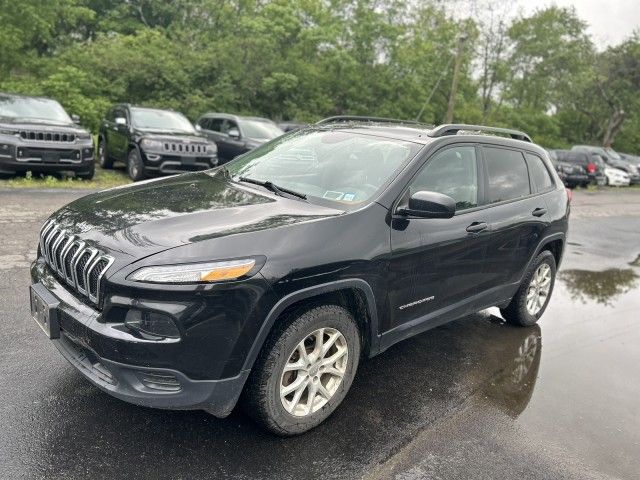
102 179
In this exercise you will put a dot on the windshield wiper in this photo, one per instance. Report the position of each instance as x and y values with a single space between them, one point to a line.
273 187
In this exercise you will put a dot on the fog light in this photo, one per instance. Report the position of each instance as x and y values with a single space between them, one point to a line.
152 324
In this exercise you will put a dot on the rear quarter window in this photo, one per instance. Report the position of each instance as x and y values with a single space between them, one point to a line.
507 174
540 176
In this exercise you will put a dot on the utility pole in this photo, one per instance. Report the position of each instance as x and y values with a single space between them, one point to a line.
456 74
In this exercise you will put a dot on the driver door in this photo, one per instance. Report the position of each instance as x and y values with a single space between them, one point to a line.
439 263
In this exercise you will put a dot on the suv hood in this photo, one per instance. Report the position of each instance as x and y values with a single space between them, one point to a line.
11 123
171 135
152 216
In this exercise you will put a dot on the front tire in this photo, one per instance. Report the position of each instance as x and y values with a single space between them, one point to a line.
532 298
135 165
304 370
88 173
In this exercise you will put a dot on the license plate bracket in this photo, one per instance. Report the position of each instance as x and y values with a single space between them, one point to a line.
44 310
188 160
51 157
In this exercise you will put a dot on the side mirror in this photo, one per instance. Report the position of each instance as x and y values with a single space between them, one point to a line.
75 119
198 128
427 204
234 133
121 121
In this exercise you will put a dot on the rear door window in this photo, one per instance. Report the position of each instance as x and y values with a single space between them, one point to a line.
507 174
542 181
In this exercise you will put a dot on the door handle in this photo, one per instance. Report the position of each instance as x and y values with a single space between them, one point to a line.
538 212
477 227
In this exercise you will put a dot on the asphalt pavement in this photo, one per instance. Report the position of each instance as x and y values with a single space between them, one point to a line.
473 399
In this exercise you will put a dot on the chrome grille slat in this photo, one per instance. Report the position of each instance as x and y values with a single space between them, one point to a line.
45 136
81 266
185 148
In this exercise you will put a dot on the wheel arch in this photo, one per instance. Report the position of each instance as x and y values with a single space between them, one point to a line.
356 295
556 247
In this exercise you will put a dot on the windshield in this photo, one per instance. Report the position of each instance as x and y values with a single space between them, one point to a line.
38 108
342 167
148 118
613 154
260 130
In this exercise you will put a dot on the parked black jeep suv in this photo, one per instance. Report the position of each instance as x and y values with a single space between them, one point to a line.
152 141
37 135
235 135
269 278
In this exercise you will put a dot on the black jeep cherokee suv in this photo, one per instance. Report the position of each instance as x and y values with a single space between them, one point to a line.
37 135
269 278
153 141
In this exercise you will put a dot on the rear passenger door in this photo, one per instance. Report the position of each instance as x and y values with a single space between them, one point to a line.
516 211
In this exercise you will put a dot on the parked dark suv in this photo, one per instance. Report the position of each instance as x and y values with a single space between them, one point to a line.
269 278
152 141
37 135
572 174
588 163
235 135
611 158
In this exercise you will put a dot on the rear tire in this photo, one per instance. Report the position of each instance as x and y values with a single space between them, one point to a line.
135 165
532 298
320 382
103 155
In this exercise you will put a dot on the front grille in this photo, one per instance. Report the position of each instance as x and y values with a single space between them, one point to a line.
185 148
46 136
79 265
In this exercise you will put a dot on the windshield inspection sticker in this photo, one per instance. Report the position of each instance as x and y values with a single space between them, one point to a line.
349 197
331 195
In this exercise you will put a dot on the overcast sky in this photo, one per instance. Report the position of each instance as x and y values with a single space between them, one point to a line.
610 21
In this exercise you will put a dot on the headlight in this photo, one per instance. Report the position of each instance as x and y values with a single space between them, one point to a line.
83 136
9 132
212 148
150 143
194 272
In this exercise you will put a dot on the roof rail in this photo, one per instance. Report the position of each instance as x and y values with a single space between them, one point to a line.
356 118
454 128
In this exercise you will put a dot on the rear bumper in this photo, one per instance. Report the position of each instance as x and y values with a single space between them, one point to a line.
576 179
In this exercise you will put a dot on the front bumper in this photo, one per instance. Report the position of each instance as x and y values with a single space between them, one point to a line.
160 162
152 387
126 366
44 157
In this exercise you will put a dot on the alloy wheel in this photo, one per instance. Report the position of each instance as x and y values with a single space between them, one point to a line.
539 287
313 372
